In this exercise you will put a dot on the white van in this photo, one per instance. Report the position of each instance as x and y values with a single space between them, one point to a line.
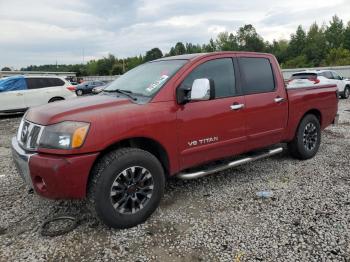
17 93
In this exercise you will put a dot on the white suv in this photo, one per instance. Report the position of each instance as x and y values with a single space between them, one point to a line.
17 93
321 77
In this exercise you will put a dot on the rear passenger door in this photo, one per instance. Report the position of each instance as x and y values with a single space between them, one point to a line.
266 105
42 89
212 129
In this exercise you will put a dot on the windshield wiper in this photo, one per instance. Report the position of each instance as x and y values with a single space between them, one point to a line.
128 93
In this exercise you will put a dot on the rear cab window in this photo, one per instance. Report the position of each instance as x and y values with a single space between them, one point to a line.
257 75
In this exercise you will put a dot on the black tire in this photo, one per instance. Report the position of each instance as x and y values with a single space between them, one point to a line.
346 92
109 176
79 92
55 99
307 138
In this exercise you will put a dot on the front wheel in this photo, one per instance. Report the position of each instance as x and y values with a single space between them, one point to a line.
126 187
307 138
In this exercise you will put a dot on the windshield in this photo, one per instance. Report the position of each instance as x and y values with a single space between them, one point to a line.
146 79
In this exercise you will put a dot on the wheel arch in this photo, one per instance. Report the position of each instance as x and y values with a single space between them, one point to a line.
56 98
314 112
148 144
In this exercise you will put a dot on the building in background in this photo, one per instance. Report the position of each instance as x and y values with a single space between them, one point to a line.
33 73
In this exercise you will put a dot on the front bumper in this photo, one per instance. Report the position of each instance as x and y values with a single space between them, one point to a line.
21 160
54 176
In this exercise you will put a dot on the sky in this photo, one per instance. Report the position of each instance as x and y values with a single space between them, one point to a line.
34 32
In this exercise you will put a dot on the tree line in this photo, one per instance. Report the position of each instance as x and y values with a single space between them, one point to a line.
325 45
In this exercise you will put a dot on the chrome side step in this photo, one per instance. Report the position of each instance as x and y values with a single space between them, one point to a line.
198 174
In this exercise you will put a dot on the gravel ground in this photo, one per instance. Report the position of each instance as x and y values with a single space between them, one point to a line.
217 218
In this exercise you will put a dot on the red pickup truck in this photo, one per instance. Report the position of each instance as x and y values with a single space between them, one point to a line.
167 118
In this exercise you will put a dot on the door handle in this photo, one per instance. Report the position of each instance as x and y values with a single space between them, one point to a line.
279 99
236 106
19 94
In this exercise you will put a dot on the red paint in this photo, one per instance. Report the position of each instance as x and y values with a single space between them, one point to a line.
260 123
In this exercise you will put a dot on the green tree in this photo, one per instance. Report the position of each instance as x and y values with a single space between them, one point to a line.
297 62
338 57
192 49
249 40
335 33
211 47
316 46
226 42
153 54
297 43
117 69
132 62
279 49
6 69
347 37
180 48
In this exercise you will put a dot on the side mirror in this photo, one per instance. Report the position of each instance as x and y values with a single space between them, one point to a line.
197 92
202 89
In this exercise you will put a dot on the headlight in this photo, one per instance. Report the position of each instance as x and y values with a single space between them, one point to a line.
64 135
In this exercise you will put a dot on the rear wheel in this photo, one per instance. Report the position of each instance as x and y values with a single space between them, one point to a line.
126 187
79 92
307 138
346 93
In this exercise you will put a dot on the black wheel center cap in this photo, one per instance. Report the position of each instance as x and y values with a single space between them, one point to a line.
132 189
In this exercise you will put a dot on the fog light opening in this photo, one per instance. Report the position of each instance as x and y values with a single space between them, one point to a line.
40 184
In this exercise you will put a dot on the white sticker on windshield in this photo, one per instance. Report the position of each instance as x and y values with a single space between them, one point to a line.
157 83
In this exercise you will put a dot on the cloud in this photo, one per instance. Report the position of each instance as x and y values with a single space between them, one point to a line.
43 31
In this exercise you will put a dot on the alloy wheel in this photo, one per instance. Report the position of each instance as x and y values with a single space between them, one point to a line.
131 190
310 136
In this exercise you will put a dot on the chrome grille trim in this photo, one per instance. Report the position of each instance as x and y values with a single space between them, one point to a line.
29 134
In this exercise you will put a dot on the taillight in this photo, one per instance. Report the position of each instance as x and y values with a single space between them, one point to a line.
315 80
71 88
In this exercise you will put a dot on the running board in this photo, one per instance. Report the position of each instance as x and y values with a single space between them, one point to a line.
198 174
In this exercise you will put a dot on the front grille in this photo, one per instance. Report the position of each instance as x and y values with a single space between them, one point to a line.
29 135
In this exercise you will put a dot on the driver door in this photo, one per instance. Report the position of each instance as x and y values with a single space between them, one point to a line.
212 129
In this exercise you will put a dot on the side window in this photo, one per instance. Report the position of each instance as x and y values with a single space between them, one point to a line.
328 75
336 76
34 83
56 82
46 82
221 71
12 85
258 75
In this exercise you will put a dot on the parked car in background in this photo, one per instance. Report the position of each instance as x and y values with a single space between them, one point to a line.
303 79
320 77
99 89
86 87
17 93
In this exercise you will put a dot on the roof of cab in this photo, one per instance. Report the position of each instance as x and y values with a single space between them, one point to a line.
182 57
197 55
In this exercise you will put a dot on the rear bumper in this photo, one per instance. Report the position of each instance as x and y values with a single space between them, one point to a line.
54 176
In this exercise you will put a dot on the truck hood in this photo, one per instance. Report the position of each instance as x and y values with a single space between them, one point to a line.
78 109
